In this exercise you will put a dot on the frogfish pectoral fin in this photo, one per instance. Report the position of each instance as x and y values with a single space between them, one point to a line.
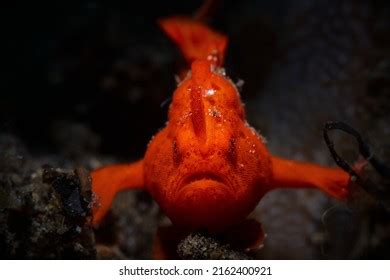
109 180
293 174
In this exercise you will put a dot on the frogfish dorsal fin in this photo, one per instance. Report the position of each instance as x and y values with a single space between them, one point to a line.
195 39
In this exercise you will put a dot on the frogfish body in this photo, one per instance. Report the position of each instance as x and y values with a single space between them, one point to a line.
208 169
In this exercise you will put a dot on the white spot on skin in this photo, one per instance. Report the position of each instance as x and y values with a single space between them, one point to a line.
213 57
210 92
262 138
150 141
178 80
240 84
214 113
220 71
254 132
184 117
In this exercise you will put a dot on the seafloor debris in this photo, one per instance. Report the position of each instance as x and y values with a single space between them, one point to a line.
43 214
197 246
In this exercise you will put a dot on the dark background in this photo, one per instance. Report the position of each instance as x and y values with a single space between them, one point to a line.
106 64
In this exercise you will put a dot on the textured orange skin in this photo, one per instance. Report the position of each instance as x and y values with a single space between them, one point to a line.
226 159
207 169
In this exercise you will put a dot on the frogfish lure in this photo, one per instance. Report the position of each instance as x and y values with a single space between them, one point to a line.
208 169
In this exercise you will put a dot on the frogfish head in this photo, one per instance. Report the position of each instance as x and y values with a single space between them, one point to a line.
207 168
